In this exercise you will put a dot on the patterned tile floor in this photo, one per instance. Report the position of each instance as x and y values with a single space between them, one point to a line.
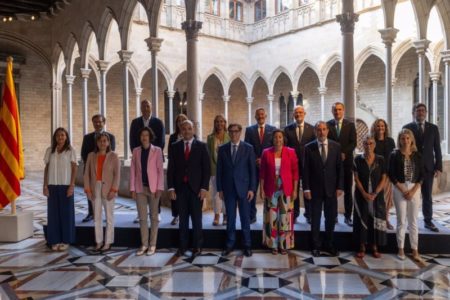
29 270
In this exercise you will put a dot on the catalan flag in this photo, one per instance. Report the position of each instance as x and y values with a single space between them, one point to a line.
11 150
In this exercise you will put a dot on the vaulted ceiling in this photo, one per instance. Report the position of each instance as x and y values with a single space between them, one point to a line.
25 8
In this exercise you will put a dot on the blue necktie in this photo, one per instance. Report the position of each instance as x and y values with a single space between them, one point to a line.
233 153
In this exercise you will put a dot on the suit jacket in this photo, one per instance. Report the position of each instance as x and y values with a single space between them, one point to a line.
110 173
88 145
197 167
299 146
155 124
347 137
240 175
288 170
252 137
429 145
323 179
210 142
155 170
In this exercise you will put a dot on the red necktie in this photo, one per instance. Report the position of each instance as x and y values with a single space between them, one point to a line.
186 151
261 134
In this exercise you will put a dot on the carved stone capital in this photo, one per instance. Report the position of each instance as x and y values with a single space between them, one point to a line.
226 98
435 76
322 90
138 91
70 79
85 73
421 46
249 99
270 97
191 27
295 94
388 35
125 55
171 94
154 44
102 65
347 21
446 56
201 96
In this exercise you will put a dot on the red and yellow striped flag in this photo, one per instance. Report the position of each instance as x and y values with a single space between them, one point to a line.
11 150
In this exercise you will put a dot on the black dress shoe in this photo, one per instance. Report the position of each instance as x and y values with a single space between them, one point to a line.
332 251
349 222
429 225
247 252
196 252
252 221
88 218
180 252
315 253
226 251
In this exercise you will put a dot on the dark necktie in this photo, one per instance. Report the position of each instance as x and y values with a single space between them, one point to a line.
421 128
323 154
187 151
233 153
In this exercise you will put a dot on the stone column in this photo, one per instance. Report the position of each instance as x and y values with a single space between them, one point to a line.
388 36
102 66
192 27
249 103
322 91
435 76
171 94
347 20
199 123
125 57
154 45
85 75
421 47
294 95
446 133
138 101
226 99
270 98
69 80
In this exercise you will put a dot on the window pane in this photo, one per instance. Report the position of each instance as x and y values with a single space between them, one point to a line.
214 7
239 11
231 10
260 10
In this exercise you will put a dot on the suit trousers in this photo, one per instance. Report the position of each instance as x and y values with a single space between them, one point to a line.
329 205
231 201
99 201
427 200
144 200
407 211
60 216
253 201
189 205
348 186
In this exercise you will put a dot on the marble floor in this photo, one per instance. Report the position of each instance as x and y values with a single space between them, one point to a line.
29 270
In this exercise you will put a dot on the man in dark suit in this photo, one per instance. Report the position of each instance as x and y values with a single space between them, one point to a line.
88 146
343 131
322 184
298 134
236 184
147 120
429 145
260 137
188 176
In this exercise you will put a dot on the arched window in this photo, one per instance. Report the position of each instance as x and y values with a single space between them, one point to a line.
282 5
260 10
236 10
214 7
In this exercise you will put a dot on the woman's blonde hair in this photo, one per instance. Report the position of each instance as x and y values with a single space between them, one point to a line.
411 136
217 117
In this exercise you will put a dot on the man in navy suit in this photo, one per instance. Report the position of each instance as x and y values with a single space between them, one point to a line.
298 134
260 137
188 177
428 144
88 146
323 183
343 131
236 184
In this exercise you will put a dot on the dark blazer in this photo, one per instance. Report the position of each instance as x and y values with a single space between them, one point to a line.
396 170
252 137
429 145
196 168
299 146
88 144
155 124
241 175
323 179
347 137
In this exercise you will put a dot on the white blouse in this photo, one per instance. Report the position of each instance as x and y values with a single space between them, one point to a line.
59 166
277 166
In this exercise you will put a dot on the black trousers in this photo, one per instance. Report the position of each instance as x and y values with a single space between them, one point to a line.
329 205
348 186
174 208
189 205
427 200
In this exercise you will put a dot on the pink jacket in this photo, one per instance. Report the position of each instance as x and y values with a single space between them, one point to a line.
288 170
155 171
110 173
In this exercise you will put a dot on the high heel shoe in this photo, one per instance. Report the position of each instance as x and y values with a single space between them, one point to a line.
106 247
141 251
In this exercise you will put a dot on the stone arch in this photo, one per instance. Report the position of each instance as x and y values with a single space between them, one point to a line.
88 36
326 67
212 103
260 90
254 78
275 74
361 131
333 83
72 52
163 84
444 16
365 54
125 21
308 86
220 76
238 102
422 13
436 52
282 88
398 53
243 78
104 30
304 65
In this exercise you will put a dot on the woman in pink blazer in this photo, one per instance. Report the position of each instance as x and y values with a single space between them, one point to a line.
101 184
278 186
146 186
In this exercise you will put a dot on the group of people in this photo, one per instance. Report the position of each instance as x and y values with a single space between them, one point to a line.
313 161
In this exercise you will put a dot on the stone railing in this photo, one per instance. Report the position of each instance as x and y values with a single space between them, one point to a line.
307 14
